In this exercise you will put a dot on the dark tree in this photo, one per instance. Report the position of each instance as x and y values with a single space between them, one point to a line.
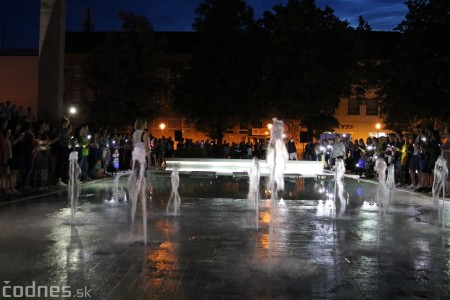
317 124
122 72
311 60
417 89
217 91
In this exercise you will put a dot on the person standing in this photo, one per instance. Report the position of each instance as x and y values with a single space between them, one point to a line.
318 150
116 160
41 165
104 148
30 144
5 155
61 148
84 149
309 151
405 153
169 147
140 143
338 150
17 161
292 150
414 167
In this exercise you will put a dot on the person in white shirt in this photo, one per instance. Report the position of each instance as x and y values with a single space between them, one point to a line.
338 150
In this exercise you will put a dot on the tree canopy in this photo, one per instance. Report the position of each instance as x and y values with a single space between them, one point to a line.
310 60
417 81
122 72
218 89
296 62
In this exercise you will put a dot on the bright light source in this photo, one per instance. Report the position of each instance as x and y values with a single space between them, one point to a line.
162 126
378 126
72 110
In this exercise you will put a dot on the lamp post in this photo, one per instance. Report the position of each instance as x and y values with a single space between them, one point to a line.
378 126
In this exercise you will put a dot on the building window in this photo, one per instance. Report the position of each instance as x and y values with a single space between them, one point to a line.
243 128
185 124
257 124
372 107
174 123
353 107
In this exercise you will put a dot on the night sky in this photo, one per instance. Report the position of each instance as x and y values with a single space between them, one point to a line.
19 19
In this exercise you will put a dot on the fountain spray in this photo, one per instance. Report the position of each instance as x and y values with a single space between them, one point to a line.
339 184
137 187
253 190
277 156
174 200
73 186
440 177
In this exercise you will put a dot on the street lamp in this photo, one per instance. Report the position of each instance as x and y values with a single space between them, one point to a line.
162 126
269 126
72 110
378 126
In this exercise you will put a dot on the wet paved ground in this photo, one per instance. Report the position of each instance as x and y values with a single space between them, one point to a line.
212 250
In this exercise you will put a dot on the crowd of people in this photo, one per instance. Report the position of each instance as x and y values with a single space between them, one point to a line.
413 155
34 155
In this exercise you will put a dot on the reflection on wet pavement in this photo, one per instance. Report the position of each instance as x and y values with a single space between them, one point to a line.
212 250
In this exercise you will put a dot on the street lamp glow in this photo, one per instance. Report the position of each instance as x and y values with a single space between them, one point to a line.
162 126
72 110
378 126
269 126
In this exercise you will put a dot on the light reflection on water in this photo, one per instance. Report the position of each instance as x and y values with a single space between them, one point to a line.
338 252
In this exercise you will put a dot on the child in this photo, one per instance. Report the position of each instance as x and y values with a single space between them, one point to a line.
97 171
115 159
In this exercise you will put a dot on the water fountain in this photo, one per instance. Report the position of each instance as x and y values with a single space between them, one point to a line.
73 186
382 193
390 183
174 200
339 184
118 192
137 188
253 190
277 156
440 177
